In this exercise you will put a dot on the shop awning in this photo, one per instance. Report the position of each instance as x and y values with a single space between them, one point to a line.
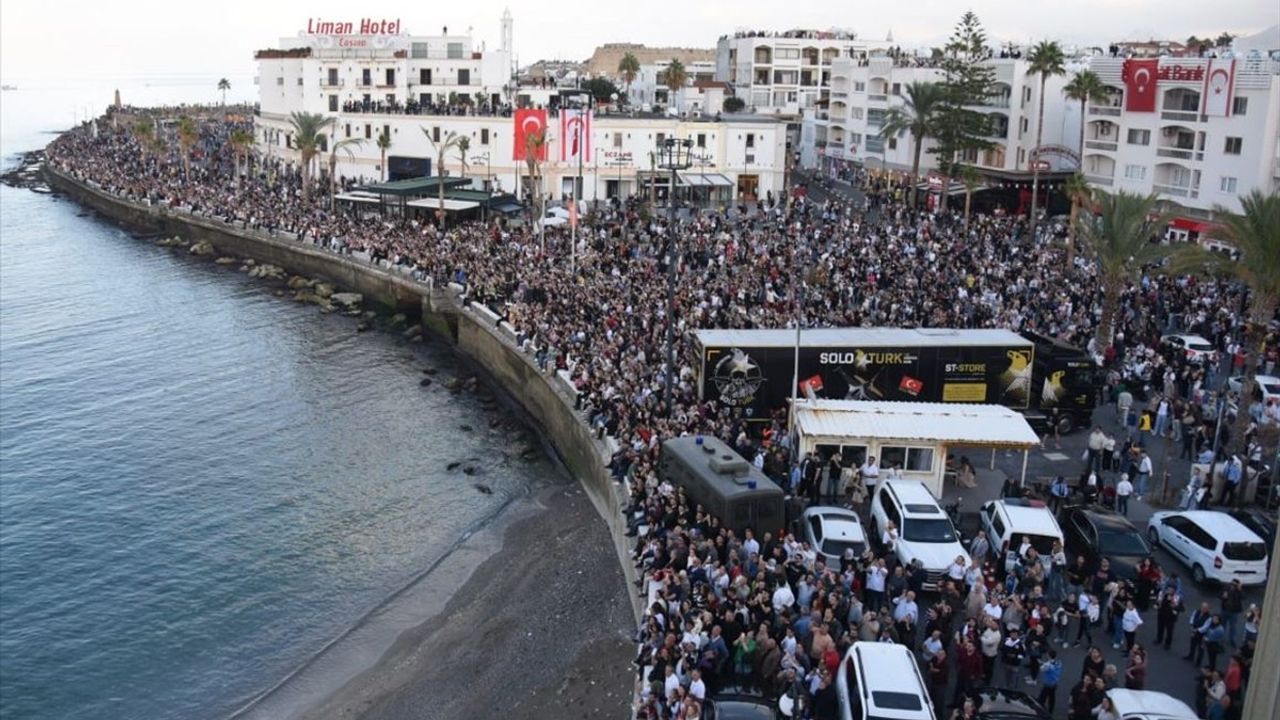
693 179
955 424
1191 225
415 187
357 196
449 205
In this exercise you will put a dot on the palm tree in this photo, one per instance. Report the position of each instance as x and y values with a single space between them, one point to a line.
969 177
188 136
224 85
628 68
1118 238
384 144
676 78
533 144
450 141
1085 87
1046 59
144 132
1256 234
1076 188
346 147
464 146
241 140
308 134
916 116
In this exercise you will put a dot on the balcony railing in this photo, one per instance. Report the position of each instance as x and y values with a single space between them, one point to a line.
331 85
872 97
996 102
1177 190
1183 115
1180 153
1100 145
1099 180
1104 110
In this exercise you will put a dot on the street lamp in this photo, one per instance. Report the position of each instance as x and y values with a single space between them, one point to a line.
488 183
674 155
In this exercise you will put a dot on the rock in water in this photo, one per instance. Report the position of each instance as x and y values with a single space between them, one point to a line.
428 371
398 320
297 282
425 382
468 470
324 290
453 465
362 326
467 428
201 248
225 260
483 488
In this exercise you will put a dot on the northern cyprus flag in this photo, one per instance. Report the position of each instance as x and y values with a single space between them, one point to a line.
1219 87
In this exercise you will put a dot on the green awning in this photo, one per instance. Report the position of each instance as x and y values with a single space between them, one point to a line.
415 187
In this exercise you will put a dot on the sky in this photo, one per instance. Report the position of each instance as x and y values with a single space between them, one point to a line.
87 39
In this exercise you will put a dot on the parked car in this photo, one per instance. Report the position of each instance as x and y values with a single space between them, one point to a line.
832 530
1096 533
739 706
881 680
1007 521
1194 348
1268 388
1149 705
1213 544
1004 704
925 533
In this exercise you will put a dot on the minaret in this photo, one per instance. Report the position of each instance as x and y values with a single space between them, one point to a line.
506 30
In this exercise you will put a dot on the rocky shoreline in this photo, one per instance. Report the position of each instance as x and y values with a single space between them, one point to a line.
28 174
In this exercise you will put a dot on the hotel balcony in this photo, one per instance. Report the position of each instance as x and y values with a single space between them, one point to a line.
1180 143
876 97
1181 104
1101 135
1177 190
1110 110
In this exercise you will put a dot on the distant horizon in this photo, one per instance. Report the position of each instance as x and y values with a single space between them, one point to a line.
37 43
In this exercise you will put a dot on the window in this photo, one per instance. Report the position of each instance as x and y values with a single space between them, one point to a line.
333 103
1239 106
391 77
1197 535
997 526
348 128
913 459
659 139
1227 185
279 81
1232 146
1139 137
464 77
890 510
893 143
855 139
617 140
751 140
368 132
897 89
435 134
454 51
299 82
788 53
366 77
1022 126
815 523
333 77
855 113
484 136
424 76
702 140
859 86
418 50
1135 172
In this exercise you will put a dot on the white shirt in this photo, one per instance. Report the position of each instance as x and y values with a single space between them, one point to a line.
670 685
875 578
1145 465
1131 620
751 546
870 473
783 598
993 611
698 689
1124 488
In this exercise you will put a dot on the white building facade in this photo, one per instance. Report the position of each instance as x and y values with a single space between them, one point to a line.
848 130
1192 159
335 65
782 73
740 157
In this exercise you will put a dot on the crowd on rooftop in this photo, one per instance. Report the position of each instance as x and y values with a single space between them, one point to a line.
763 610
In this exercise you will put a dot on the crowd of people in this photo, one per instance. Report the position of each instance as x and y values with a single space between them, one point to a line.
766 611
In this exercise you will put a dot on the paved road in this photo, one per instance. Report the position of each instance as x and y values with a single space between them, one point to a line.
1167 671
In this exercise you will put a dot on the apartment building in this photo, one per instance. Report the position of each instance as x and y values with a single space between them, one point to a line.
1197 132
782 73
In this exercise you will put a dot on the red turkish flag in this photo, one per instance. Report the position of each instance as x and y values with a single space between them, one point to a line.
1140 84
526 124
811 386
911 386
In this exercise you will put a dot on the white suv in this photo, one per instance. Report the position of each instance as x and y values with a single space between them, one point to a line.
1006 522
881 680
925 533
1213 544
1196 349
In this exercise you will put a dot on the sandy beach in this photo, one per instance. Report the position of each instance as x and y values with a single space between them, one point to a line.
540 630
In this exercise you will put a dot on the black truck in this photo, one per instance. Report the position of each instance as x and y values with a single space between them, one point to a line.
751 370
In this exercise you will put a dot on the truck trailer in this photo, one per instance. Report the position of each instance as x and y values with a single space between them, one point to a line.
750 371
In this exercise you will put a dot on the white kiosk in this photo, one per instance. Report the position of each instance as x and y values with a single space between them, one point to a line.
913 436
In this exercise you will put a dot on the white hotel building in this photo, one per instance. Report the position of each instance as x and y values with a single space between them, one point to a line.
1192 161
782 73
742 156
863 91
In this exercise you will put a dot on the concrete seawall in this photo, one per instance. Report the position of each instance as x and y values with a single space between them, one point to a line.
473 329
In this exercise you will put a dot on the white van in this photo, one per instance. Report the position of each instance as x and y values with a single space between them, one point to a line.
1213 544
881 680
1007 521
925 533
